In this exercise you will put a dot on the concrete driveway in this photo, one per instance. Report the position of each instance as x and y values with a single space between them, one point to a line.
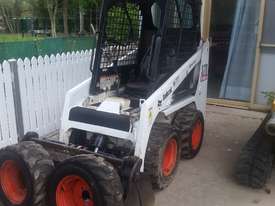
207 180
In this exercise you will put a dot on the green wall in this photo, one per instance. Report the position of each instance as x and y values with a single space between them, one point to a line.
48 46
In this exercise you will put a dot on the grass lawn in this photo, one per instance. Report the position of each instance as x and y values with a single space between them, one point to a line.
17 37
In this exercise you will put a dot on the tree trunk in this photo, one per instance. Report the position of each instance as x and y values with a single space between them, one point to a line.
65 17
52 10
7 21
17 8
81 21
53 27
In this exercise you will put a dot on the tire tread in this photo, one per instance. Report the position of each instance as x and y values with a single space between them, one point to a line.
40 167
104 174
183 122
254 166
160 133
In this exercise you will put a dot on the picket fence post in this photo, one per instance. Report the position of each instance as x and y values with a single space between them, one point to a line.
17 99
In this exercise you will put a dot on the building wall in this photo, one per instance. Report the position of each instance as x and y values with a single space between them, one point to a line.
266 81
266 76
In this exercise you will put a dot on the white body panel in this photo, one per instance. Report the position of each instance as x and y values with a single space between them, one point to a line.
161 101
74 97
109 106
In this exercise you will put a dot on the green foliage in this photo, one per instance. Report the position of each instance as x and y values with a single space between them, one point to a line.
42 12
89 3
270 96
38 8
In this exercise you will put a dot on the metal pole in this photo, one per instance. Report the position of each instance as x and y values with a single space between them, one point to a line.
17 99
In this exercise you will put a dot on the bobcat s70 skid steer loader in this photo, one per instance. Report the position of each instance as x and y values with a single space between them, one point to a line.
125 129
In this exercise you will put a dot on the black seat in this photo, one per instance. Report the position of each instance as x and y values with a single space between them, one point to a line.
137 89
149 78
143 89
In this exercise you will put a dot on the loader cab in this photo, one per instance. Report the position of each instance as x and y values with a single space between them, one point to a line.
141 43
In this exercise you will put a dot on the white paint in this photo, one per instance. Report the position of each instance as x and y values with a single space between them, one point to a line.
74 97
8 130
44 82
110 107
160 101
151 105
179 105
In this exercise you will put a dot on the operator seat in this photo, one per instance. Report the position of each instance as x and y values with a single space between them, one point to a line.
149 77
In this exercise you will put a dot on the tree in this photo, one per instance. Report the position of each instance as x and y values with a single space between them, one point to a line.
65 17
85 5
10 9
52 6
38 8
6 19
81 19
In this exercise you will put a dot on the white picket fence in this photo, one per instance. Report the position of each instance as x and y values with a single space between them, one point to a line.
43 83
8 130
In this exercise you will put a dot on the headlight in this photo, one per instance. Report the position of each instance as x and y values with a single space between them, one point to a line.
273 106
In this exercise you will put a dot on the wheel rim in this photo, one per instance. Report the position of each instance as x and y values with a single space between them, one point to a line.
12 182
197 135
74 191
170 157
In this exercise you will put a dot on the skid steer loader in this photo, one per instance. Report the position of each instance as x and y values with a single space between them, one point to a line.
126 128
256 161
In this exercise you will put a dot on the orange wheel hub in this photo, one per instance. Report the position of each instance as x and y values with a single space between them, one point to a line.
74 191
170 157
12 182
197 135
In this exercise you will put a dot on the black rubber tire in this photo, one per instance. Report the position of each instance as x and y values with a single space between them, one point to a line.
160 134
98 173
184 122
254 167
36 166
29 136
